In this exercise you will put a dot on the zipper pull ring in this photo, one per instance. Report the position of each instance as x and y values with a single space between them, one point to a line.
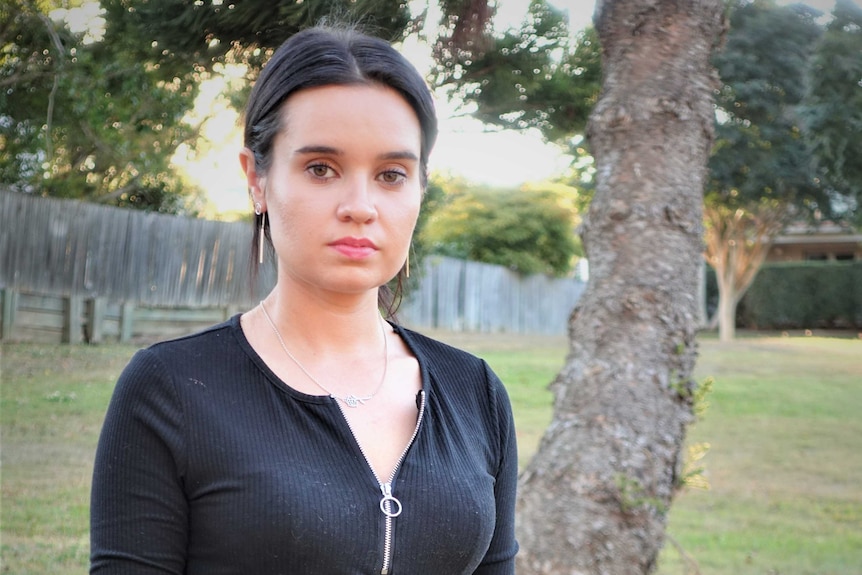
388 501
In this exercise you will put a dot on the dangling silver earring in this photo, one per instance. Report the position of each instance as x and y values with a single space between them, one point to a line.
407 263
258 211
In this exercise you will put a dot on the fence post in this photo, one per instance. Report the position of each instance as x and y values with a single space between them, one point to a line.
127 312
10 306
229 311
95 319
72 312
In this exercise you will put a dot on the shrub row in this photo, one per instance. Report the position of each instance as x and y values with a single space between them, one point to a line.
800 295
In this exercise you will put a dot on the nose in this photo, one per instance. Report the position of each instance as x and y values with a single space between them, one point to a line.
357 203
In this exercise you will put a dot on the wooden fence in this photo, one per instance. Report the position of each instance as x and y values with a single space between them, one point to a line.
460 295
62 247
73 271
76 319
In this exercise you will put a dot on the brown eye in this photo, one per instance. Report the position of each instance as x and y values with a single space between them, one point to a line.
320 171
392 177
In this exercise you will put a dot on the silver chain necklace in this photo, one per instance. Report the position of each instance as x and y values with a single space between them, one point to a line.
348 400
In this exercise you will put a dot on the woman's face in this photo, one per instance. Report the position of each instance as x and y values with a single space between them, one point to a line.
343 190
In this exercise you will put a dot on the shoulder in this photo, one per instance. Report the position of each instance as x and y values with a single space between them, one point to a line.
467 389
162 364
199 340
431 349
455 371
207 343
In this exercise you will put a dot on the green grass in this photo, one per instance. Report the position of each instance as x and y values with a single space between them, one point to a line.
52 400
785 461
783 426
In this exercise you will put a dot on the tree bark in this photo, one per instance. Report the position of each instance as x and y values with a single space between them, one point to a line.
595 498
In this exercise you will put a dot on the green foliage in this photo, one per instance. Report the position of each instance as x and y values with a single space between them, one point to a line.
530 231
632 496
798 295
693 473
99 118
25 65
760 150
85 119
804 295
533 77
432 201
700 404
833 108
179 37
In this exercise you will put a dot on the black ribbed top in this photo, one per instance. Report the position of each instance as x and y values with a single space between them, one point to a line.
209 464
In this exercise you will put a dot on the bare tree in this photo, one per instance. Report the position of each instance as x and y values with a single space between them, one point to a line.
595 498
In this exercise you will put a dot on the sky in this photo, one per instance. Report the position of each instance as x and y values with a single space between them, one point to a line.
464 146
509 158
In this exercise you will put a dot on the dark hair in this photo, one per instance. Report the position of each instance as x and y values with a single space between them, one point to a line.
326 56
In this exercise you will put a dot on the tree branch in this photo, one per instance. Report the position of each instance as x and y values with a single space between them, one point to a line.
61 53
690 563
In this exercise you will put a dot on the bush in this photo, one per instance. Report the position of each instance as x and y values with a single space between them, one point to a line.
804 295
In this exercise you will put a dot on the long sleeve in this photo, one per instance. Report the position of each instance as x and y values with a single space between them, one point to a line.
500 558
139 514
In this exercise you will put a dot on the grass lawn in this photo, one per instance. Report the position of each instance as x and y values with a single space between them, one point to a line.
783 425
52 400
785 461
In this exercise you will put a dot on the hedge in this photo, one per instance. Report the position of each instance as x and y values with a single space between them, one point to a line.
801 295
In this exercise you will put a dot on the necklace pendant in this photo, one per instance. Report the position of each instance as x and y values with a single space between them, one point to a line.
348 400
353 401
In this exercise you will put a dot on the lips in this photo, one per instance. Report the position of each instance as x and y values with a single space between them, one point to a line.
354 248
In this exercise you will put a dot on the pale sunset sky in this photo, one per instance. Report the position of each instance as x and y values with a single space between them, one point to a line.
464 147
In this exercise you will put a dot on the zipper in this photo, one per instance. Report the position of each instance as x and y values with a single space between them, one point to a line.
389 504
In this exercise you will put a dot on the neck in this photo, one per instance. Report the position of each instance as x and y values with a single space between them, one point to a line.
323 325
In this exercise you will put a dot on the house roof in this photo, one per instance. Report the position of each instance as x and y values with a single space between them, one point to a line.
821 233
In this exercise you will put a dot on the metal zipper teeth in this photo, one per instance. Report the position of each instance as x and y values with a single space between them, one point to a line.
386 488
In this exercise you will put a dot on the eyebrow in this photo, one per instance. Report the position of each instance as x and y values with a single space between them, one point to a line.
329 150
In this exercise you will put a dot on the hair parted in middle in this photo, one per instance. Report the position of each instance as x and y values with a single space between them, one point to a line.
333 56
326 56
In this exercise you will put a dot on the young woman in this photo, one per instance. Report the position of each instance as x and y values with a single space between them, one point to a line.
309 435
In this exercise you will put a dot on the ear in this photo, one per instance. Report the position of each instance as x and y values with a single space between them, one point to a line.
256 182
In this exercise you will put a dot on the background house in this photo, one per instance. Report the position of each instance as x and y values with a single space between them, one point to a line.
824 242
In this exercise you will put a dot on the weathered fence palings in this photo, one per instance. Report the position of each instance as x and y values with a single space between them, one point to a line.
460 295
62 247
74 272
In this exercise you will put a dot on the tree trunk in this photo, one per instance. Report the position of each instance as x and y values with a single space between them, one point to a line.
737 243
727 302
595 498
727 298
